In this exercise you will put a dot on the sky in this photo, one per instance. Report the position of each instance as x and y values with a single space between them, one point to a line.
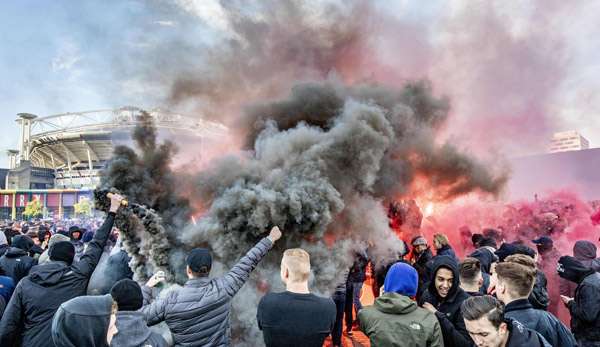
510 69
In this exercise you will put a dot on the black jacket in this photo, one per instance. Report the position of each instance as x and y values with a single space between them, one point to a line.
486 257
16 263
358 271
448 312
585 309
539 295
3 249
420 264
82 321
28 315
520 336
541 321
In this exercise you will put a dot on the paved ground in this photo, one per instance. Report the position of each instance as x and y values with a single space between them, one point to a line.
358 339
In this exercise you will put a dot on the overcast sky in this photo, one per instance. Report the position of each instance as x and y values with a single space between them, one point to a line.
61 56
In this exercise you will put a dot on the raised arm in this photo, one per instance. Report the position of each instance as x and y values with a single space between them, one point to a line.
92 254
233 281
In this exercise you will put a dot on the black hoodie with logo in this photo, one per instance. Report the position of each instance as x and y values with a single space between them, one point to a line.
585 309
449 313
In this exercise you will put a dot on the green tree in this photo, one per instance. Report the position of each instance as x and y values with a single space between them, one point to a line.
33 209
83 207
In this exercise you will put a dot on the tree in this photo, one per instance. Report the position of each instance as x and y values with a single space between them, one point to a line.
83 207
33 209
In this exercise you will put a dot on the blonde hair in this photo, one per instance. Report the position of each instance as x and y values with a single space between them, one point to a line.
441 239
297 261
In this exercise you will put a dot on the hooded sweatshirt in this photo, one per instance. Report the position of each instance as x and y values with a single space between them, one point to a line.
585 308
395 320
82 321
133 332
585 252
448 312
16 262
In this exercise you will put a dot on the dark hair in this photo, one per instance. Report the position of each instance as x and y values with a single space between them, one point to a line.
492 233
487 242
469 269
476 307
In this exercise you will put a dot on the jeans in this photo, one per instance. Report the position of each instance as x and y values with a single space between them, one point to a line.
340 302
352 301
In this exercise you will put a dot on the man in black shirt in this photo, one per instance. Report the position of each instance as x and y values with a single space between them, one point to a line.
295 317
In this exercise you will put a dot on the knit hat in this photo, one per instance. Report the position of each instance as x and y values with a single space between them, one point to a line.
62 251
87 236
199 260
584 250
419 241
128 295
402 279
507 249
57 238
23 242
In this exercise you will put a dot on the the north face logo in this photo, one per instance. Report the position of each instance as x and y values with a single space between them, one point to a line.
415 326
560 268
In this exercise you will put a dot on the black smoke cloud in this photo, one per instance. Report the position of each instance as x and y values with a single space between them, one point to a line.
149 226
322 163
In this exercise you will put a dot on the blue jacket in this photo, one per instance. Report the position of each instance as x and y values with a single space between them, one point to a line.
541 321
7 286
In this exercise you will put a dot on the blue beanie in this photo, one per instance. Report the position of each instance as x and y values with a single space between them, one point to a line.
402 279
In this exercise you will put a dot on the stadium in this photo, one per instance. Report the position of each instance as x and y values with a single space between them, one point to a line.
60 157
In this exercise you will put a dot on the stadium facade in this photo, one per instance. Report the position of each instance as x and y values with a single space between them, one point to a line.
60 157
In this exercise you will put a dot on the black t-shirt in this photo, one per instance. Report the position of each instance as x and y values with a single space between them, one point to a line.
291 319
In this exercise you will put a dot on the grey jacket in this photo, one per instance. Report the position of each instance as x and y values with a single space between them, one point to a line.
133 332
198 314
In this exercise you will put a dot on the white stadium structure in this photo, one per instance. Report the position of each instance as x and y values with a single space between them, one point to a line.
68 150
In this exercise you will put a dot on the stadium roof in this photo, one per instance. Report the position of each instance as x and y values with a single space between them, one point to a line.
79 138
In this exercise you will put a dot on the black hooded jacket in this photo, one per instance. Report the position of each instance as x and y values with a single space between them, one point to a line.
585 309
36 298
16 262
520 336
82 321
420 265
449 313
541 321
585 252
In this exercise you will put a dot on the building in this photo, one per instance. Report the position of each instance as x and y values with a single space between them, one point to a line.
60 158
568 141
68 151
573 171
57 203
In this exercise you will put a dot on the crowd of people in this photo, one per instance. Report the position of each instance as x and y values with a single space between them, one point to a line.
496 296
